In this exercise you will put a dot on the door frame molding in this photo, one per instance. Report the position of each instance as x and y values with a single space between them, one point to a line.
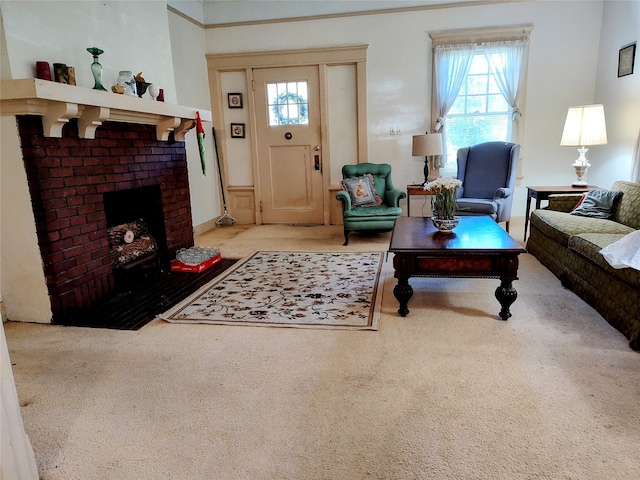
323 58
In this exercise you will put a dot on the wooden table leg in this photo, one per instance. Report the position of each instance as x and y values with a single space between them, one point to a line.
403 293
526 216
506 295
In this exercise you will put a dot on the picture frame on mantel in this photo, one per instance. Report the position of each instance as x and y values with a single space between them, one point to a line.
626 60
234 100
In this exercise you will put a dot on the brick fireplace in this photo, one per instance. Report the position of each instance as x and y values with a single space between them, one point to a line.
69 178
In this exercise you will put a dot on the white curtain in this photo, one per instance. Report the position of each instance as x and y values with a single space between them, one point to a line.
451 65
507 61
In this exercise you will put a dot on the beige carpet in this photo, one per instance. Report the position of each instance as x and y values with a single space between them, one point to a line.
449 392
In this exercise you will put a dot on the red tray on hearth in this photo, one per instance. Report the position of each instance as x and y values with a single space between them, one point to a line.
178 266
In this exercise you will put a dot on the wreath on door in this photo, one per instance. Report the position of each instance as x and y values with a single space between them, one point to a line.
282 111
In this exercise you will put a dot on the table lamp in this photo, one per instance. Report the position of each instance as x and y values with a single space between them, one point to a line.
584 126
425 146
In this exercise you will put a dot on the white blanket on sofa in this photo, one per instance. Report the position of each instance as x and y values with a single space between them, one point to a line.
625 252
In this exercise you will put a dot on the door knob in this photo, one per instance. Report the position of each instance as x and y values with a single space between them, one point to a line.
317 148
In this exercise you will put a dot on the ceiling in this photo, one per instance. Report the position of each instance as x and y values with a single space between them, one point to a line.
220 12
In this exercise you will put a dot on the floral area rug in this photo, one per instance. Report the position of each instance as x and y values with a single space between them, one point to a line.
291 289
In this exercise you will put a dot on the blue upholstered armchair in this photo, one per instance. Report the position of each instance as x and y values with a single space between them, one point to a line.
488 175
369 215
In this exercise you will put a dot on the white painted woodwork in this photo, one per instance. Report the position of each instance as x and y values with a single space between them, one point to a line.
57 103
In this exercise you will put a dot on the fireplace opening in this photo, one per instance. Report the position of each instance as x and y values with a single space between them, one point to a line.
136 231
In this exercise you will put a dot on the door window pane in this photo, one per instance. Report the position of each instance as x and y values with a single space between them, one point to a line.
287 103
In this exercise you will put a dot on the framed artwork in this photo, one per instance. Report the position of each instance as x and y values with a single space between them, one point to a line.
237 130
235 100
626 59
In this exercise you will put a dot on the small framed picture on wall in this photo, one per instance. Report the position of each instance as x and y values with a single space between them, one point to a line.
626 59
235 100
237 130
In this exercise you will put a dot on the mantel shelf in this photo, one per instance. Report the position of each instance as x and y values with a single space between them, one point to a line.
57 103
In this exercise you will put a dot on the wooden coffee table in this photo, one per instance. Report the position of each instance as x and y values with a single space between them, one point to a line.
477 248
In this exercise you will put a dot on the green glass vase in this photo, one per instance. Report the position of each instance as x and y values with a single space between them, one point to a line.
96 68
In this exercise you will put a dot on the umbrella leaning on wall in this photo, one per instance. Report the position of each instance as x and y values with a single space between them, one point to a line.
200 134
224 220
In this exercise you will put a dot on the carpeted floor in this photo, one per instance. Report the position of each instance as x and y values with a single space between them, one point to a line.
449 392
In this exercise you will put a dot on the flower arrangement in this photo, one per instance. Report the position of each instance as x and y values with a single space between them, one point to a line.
443 202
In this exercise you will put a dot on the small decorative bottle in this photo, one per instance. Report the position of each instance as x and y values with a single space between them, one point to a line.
96 68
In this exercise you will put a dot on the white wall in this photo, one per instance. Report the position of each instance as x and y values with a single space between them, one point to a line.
192 89
343 119
134 36
24 292
562 72
620 96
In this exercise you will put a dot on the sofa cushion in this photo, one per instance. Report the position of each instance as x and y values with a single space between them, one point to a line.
477 205
590 244
628 209
559 226
565 202
598 204
624 253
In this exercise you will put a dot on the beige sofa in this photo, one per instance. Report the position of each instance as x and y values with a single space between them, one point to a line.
569 246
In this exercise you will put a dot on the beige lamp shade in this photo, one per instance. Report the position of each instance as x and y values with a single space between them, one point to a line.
425 145
584 125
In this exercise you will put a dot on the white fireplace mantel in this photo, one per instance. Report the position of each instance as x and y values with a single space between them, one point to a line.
57 103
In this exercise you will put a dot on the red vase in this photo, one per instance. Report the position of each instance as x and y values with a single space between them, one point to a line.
43 70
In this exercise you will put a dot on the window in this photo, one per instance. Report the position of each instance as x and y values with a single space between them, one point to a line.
477 89
480 113
288 103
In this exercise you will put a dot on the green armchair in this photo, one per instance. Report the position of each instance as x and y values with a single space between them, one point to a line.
373 217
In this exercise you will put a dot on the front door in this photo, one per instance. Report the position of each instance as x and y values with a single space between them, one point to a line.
287 105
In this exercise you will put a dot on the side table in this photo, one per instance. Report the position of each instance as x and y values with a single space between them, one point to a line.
417 190
543 193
